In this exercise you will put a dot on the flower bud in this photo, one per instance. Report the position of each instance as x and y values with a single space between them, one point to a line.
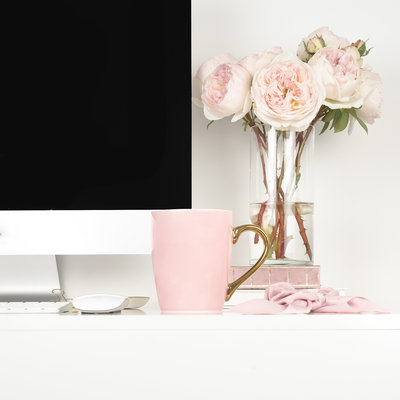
314 44
359 44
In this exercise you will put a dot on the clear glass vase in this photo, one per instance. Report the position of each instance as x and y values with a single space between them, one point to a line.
281 194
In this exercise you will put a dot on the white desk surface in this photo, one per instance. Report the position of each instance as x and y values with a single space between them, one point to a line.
150 318
147 356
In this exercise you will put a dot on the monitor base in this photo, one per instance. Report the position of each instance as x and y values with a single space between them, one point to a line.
29 278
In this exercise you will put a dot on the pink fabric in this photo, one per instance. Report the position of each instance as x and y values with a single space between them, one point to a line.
283 298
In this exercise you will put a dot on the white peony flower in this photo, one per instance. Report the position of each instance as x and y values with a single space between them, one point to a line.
371 91
340 76
204 70
309 44
226 91
259 60
287 94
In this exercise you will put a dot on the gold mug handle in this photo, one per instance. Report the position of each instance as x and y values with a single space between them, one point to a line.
236 233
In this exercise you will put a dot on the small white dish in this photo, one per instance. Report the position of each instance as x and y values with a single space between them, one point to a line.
136 302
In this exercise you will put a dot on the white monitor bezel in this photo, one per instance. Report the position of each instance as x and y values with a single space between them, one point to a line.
63 232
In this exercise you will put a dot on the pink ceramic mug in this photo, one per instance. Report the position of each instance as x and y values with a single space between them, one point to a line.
191 257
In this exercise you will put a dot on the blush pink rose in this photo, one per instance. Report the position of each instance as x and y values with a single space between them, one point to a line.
204 70
259 60
330 40
226 91
340 75
287 94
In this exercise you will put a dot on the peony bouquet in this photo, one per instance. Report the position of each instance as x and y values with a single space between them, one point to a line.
282 96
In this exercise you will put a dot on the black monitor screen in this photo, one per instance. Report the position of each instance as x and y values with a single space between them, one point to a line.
96 106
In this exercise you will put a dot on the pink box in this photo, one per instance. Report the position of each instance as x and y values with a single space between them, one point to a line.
277 275
300 276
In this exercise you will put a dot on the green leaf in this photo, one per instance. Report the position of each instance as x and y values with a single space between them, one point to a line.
210 123
328 119
353 113
329 116
336 116
342 121
361 122
325 127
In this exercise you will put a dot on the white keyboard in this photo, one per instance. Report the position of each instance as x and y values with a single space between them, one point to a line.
35 307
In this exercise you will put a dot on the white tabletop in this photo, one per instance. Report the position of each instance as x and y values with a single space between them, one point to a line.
144 354
150 318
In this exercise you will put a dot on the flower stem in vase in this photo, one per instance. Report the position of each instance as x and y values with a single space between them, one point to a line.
259 220
280 247
273 238
279 157
299 219
301 141
262 146
269 171
302 229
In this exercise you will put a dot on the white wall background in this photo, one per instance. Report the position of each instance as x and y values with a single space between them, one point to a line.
357 191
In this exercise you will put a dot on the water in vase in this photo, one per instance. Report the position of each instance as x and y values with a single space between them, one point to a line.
289 226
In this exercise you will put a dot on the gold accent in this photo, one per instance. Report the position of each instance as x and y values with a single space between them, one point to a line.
59 293
282 266
236 233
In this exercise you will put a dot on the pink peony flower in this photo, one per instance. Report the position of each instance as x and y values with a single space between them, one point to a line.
287 94
340 75
226 91
263 59
330 40
204 70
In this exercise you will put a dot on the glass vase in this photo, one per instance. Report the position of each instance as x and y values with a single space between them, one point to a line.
281 194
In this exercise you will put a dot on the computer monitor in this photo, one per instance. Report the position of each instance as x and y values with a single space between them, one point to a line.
96 126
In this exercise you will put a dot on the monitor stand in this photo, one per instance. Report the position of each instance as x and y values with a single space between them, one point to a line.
29 278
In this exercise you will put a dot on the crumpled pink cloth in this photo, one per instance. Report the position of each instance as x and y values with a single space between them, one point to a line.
283 298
